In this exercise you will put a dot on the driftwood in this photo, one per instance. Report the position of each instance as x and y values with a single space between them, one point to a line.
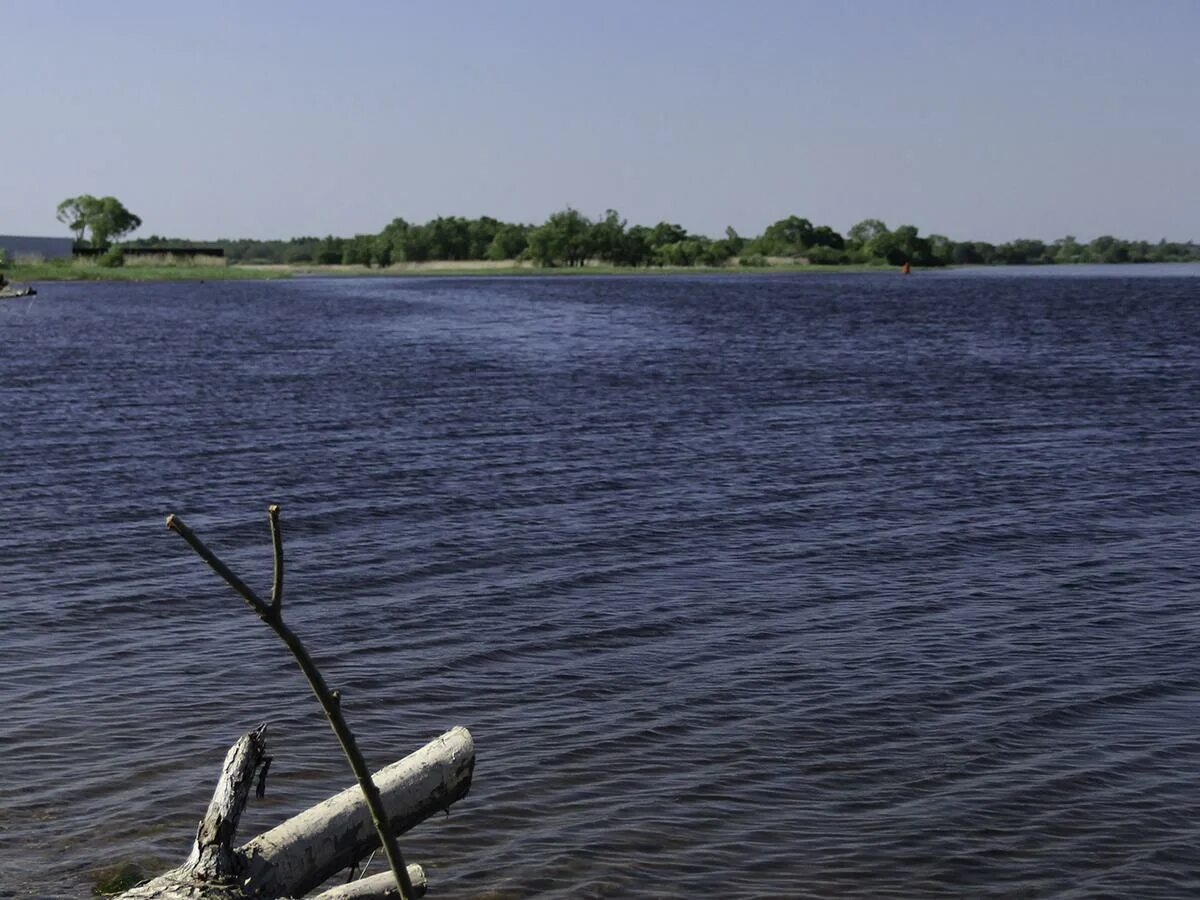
303 852
331 701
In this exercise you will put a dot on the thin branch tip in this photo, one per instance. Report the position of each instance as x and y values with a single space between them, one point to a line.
277 570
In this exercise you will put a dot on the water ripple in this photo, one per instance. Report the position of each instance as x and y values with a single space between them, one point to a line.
815 586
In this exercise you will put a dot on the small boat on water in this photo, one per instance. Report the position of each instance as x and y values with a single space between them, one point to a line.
11 292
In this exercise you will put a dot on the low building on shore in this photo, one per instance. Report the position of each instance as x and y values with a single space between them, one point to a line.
36 249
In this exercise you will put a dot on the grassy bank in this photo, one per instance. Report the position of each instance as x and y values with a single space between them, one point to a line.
77 270
71 270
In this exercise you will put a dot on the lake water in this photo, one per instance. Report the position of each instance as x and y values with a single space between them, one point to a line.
779 585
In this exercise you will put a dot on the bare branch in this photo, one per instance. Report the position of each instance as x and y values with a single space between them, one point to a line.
277 544
330 701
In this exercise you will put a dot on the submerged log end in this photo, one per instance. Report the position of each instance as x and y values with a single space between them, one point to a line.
210 871
377 887
175 885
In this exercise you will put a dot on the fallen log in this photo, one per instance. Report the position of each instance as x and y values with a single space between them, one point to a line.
307 849
301 853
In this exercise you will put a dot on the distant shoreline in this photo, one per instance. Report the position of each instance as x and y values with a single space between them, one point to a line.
32 273
42 272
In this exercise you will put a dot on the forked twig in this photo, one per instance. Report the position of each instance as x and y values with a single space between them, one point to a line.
272 614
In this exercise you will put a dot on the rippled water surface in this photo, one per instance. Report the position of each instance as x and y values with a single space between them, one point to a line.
804 586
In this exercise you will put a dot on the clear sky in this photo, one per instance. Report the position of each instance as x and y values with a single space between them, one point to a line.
262 119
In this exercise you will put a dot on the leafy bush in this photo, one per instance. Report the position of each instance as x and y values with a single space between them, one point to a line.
329 251
111 259
754 261
826 256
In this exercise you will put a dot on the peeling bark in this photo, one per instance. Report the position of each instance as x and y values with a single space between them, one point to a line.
212 853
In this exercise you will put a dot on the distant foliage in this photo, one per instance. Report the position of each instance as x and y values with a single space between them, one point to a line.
329 252
569 238
827 256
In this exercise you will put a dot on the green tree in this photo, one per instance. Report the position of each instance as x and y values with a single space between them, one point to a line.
106 218
300 250
1108 249
358 250
941 247
667 233
716 253
638 248
509 242
564 238
824 236
734 241
449 237
608 238
679 253
787 237
480 234
868 239
964 254
381 250
904 245
1068 250
1024 251
329 251
1169 251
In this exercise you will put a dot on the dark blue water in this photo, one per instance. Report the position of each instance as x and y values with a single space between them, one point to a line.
804 586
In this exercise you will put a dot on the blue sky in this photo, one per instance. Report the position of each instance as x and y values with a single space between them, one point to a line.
274 119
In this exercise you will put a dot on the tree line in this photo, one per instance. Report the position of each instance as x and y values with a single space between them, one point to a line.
568 238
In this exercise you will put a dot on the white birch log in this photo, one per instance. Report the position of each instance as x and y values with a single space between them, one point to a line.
303 852
295 857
